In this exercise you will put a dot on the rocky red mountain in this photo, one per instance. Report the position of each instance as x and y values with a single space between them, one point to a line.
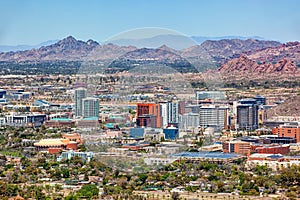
245 66
225 49
289 51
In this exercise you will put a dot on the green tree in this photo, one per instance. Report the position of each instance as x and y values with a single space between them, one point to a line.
65 173
88 191
71 197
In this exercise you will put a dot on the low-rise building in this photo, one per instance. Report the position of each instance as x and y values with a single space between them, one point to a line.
171 133
237 146
135 146
136 132
54 146
90 122
154 135
288 130
67 155
60 122
113 134
271 149
25 120
159 161
273 161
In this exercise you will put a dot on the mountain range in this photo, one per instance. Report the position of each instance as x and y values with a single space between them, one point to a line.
245 65
231 55
7 48
201 39
174 41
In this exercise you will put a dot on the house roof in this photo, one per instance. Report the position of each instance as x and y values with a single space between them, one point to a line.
52 142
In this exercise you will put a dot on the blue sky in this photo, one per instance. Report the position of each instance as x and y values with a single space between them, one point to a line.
35 21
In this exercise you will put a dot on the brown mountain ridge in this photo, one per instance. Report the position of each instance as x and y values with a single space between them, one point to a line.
245 66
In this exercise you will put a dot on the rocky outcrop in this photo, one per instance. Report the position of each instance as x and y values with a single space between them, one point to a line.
244 66
290 51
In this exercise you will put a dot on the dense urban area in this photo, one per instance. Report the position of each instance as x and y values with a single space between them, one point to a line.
133 136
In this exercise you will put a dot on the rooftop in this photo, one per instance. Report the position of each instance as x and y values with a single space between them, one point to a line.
265 155
52 142
91 118
208 155
60 119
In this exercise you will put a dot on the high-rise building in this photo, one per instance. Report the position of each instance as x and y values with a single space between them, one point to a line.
189 121
216 95
247 114
173 108
149 111
90 107
214 116
80 94
260 100
164 113
170 112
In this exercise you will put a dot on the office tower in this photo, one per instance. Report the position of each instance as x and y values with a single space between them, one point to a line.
189 121
260 100
173 108
247 114
80 94
214 116
216 95
90 107
149 115
164 113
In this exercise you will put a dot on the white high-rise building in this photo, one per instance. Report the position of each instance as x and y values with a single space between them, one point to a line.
189 121
90 107
80 94
164 113
173 108
169 113
214 116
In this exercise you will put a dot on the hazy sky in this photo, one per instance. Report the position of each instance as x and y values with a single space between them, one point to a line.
35 21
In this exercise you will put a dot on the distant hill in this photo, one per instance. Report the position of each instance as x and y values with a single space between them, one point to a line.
71 49
163 56
225 49
68 49
214 53
177 41
7 48
173 41
290 50
196 58
245 66
201 39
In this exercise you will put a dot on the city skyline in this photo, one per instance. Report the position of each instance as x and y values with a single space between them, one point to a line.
33 22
